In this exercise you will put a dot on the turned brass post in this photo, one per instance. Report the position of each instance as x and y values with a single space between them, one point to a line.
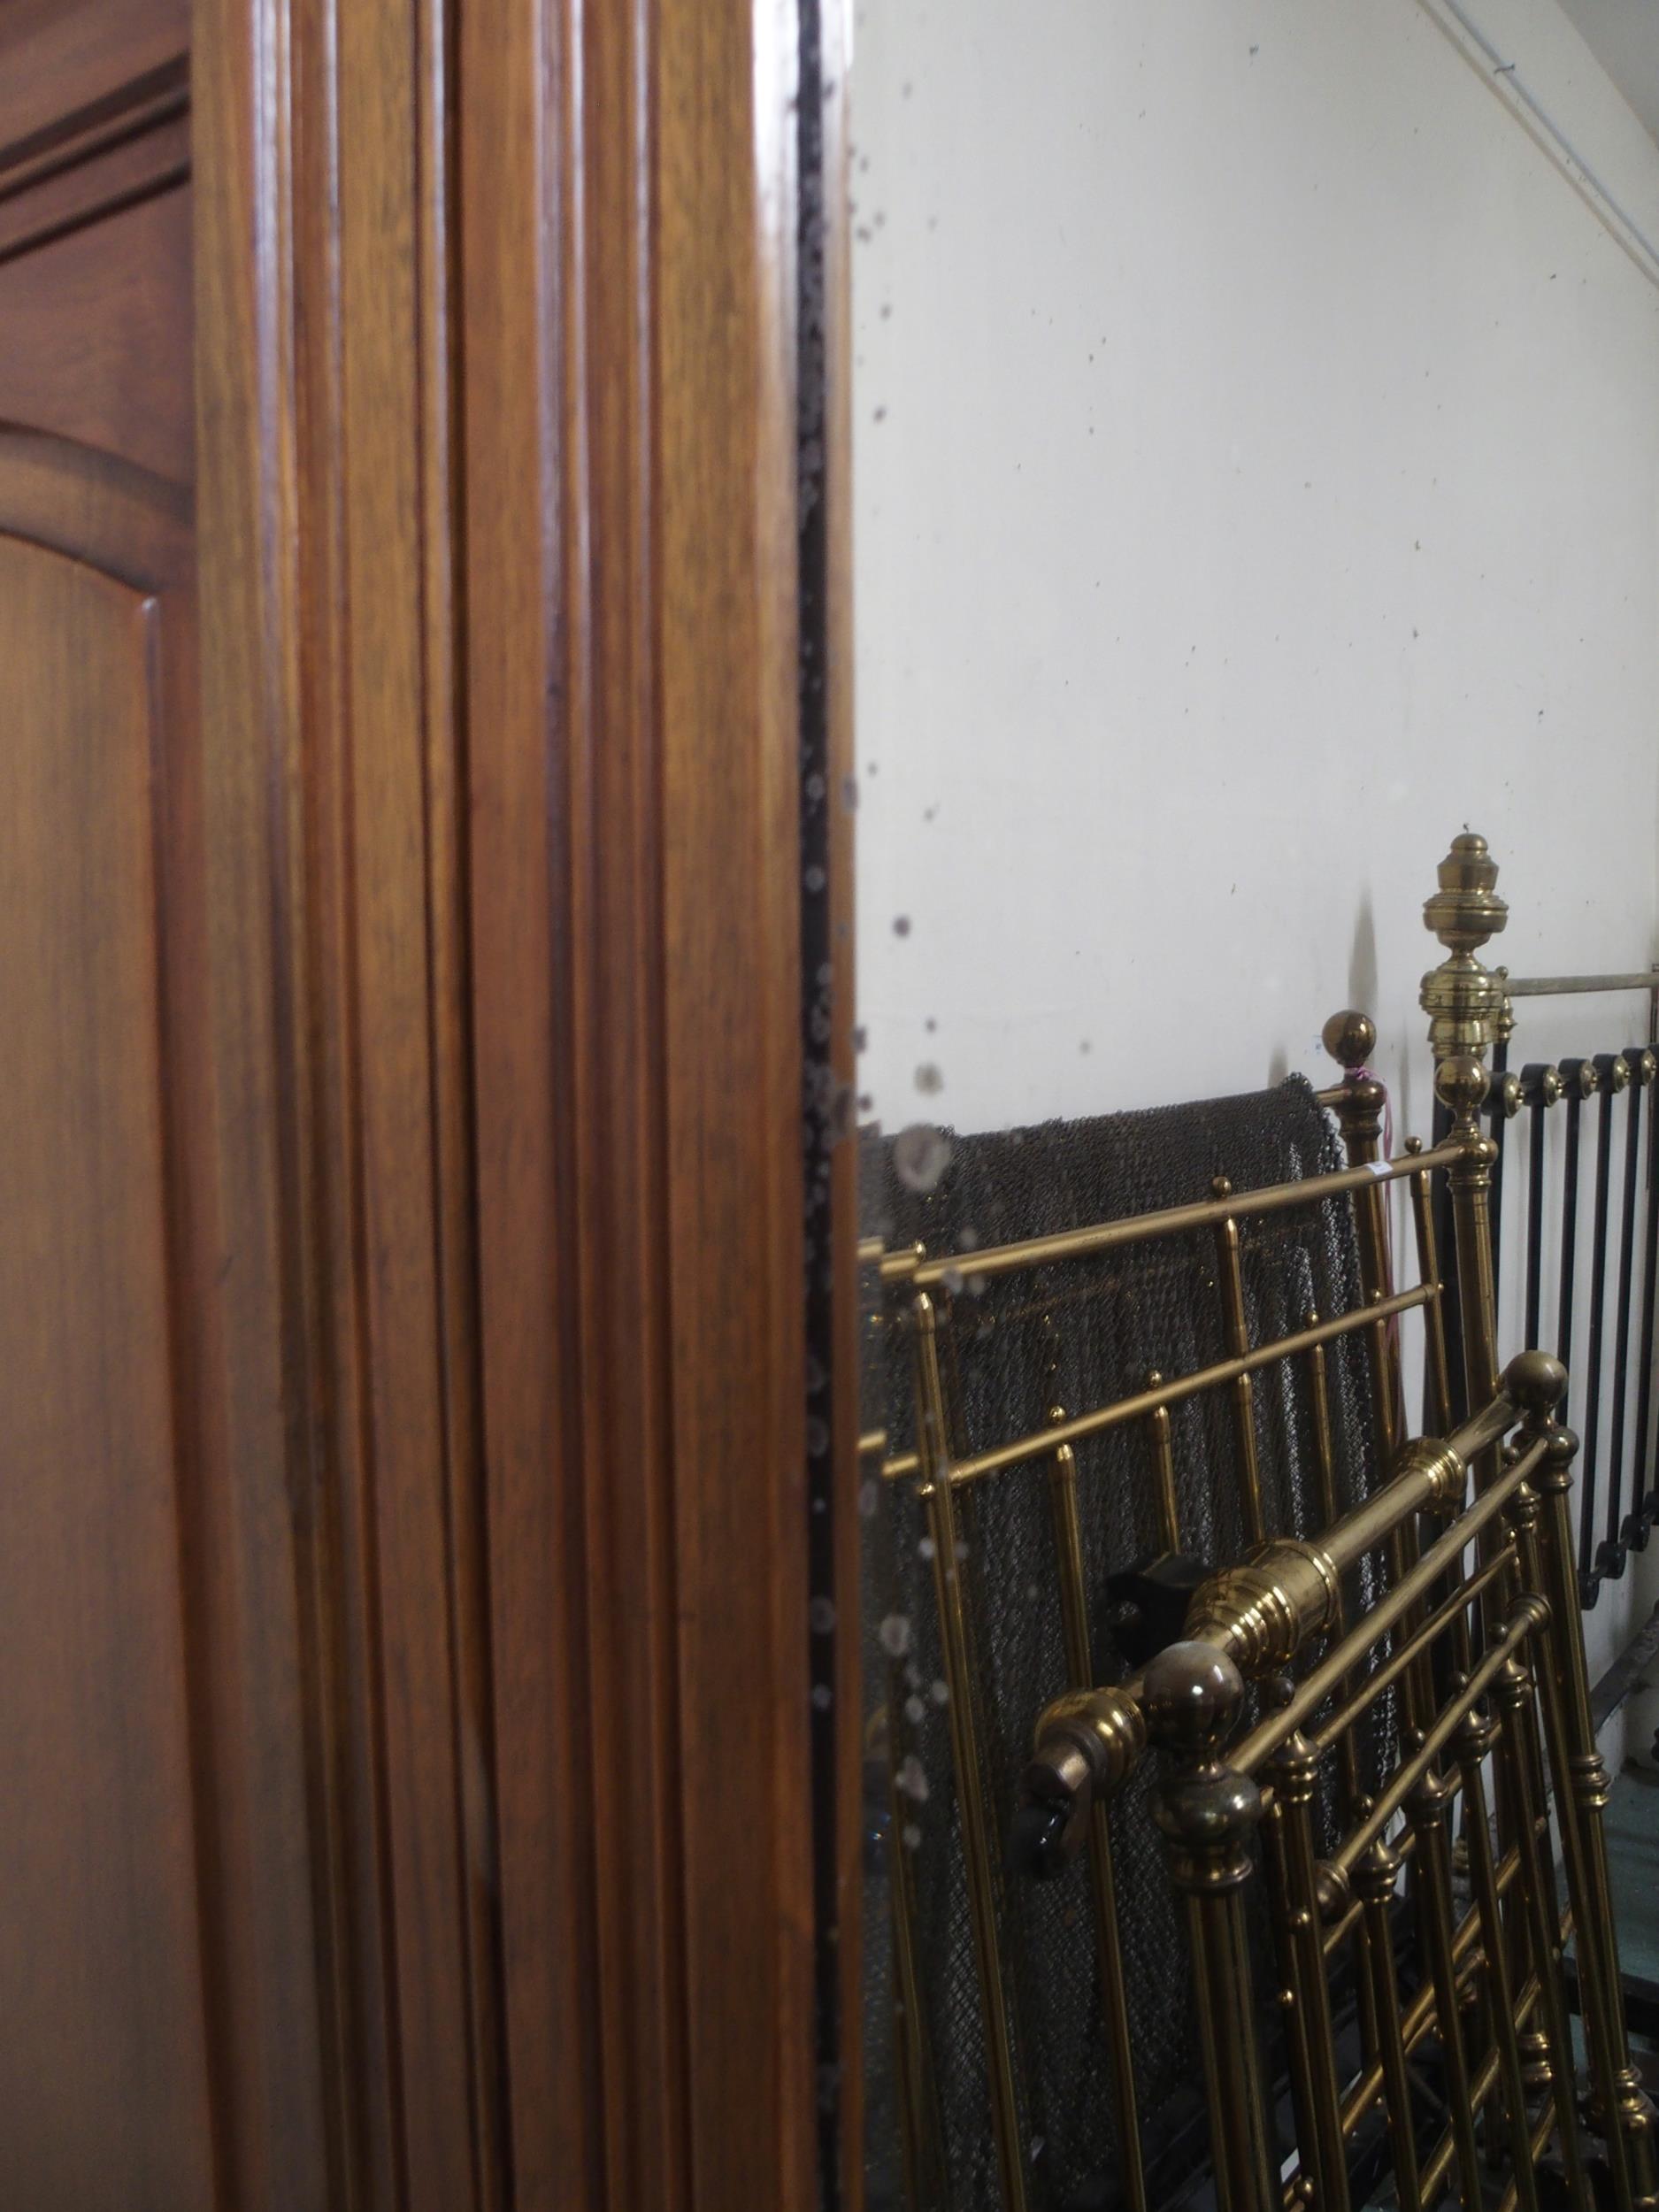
1461 1085
1467 1004
1206 1811
1358 1101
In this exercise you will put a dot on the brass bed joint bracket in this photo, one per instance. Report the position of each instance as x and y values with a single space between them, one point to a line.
1087 1744
1246 1623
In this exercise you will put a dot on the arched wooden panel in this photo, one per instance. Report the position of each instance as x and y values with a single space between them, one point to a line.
104 2099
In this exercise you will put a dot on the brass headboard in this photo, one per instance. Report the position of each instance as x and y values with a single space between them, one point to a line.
1277 1647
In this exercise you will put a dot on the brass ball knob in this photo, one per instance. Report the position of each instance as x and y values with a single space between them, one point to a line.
1535 1381
1349 1037
1192 1697
1461 1084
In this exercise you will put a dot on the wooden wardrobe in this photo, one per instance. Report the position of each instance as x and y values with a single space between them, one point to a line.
405 583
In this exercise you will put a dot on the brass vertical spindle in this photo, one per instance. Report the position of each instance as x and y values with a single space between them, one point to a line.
1293 2011
1313 2038
1512 1693
1351 1793
1427 1808
1162 1447
1206 1811
1429 1269
1236 1330
1350 1037
1474 1741
934 1445
1436 1363
1545 1532
1325 1486
1068 1545
1374 1880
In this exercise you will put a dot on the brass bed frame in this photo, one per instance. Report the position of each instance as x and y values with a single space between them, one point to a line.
1274 1668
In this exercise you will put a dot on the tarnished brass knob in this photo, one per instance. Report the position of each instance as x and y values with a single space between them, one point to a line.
1461 1084
1192 1696
1350 1038
1535 1382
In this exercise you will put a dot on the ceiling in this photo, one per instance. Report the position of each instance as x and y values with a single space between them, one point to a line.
1624 36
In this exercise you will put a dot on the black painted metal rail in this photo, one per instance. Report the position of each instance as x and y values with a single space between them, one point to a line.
1600 1307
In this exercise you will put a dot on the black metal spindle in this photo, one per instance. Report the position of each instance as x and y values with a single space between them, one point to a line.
1609 1072
1501 1101
1540 1086
1644 1491
1578 1078
1620 1518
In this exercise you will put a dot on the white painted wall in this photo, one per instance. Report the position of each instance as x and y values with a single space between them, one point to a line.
1257 479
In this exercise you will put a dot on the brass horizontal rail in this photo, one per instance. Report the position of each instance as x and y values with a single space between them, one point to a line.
1413 1647
1438 2162
1522 1621
1543 2128
1169 1221
1419 2017
1567 985
1173 1391
1368 1524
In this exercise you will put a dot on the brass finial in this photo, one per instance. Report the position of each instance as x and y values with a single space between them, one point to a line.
1466 1002
1350 1038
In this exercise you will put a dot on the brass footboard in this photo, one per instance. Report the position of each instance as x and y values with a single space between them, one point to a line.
1463 1552
1491 1994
